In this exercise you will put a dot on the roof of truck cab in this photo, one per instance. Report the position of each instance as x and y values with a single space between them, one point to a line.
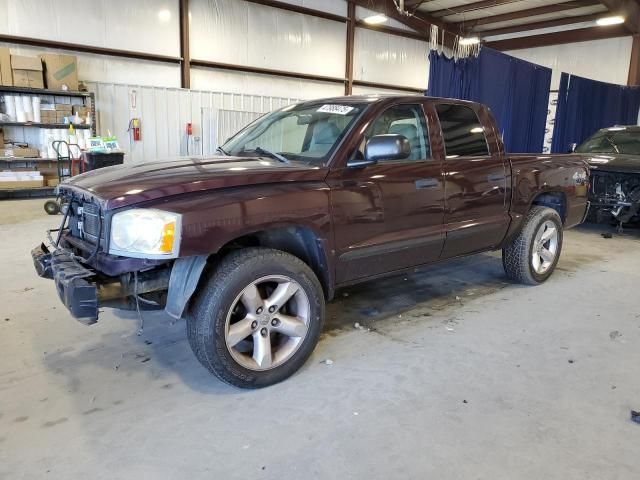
374 98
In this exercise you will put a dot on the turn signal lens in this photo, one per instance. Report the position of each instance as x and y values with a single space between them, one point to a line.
168 237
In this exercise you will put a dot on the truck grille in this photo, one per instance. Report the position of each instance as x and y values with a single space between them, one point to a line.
91 222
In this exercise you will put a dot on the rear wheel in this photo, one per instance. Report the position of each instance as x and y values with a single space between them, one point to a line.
257 319
533 254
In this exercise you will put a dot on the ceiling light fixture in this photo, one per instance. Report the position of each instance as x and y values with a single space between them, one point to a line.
164 15
615 20
376 19
469 41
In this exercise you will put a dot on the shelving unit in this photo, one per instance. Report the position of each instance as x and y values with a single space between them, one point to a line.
44 125
8 163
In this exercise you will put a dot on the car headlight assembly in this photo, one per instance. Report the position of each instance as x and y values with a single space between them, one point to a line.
145 233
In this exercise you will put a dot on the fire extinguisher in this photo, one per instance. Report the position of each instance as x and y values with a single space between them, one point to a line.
189 133
134 128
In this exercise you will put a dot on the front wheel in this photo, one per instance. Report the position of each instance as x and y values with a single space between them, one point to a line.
257 318
533 254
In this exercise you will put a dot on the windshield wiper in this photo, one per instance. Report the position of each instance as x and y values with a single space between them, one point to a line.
220 150
615 147
277 156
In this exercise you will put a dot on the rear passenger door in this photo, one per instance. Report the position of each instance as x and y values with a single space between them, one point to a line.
476 210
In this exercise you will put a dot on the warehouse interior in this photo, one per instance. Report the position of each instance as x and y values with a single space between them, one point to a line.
394 228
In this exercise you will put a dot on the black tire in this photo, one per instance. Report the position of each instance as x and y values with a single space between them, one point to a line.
206 318
52 207
517 255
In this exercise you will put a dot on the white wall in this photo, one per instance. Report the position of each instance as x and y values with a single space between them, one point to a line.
239 82
149 26
164 114
603 60
243 33
390 59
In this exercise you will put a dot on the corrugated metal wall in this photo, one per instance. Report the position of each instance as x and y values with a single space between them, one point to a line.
165 112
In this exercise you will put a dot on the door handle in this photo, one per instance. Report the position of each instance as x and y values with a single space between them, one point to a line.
426 183
496 177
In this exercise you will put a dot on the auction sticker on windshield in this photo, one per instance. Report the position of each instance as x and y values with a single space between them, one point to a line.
337 109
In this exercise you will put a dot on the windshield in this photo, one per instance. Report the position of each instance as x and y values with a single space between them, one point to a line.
626 142
308 133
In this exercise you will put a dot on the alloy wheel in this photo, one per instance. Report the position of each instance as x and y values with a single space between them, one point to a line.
267 322
545 247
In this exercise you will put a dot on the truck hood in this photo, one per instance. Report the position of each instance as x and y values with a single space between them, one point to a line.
124 185
611 162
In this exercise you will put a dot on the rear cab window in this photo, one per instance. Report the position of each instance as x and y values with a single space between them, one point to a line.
462 132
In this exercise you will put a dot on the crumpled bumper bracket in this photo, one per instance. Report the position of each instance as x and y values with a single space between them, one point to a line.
76 293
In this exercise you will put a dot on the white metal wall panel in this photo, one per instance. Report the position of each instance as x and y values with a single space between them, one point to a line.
357 90
150 26
337 7
238 82
233 31
165 112
603 60
390 59
227 123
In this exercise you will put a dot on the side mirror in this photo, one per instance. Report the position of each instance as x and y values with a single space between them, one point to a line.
387 147
383 147
572 147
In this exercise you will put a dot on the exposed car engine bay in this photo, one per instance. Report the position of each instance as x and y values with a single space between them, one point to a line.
617 194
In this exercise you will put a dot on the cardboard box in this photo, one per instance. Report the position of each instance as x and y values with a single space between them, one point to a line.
6 76
61 71
23 152
1 139
64 107
60 116
27 71
52 182
81 110
14 185
47 116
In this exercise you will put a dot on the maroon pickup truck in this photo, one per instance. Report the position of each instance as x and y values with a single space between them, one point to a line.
248 245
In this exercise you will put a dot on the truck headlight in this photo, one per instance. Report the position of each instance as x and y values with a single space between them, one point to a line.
145 233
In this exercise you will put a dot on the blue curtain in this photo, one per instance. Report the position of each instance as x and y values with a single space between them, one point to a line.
585 106
516 91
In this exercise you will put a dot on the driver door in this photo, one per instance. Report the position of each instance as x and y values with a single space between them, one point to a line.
389 215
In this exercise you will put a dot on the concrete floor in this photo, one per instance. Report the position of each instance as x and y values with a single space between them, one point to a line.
455 375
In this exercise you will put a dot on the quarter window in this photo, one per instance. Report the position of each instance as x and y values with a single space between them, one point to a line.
463 134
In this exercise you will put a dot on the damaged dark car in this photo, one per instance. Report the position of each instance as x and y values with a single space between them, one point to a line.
614 156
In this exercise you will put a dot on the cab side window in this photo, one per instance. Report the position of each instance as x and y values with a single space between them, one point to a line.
463 134
405 120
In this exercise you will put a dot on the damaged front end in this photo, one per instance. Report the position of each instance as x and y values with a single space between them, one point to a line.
82 289
615 196
86 277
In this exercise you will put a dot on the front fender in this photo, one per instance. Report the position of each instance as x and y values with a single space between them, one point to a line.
212 219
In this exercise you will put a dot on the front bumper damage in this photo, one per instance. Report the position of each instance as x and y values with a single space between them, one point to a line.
83 290
76 292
